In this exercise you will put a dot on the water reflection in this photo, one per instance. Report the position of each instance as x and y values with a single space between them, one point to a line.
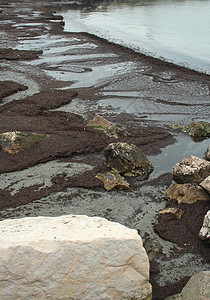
176 30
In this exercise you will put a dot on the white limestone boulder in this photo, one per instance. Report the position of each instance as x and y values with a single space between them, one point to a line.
71 257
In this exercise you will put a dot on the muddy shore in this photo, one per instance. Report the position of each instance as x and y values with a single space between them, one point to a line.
53 82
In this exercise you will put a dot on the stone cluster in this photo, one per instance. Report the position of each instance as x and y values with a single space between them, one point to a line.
192 175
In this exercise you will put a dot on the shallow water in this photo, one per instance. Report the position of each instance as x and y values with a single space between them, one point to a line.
177 31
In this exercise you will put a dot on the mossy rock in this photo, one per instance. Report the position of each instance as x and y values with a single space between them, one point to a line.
100 123
127 159
175 126
15 141
197 129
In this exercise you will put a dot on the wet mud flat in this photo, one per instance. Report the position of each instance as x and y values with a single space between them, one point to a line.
53 82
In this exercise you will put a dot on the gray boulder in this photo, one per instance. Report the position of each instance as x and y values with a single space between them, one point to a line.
127 159
191 169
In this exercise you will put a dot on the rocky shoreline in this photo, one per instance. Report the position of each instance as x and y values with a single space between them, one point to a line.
53 83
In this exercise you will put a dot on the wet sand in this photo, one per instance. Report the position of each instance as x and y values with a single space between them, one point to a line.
54 82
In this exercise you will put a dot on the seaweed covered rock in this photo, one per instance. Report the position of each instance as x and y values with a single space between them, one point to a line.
100 123
197 129
15 141
127 159
191 169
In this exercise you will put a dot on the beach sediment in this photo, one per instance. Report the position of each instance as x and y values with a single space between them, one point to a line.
53 82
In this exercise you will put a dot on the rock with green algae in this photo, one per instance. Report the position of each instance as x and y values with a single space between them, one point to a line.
15 141
175 126
153 248
113 180
200 129
100 123
197 129
127 159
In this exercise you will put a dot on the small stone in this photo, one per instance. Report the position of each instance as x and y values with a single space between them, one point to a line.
205 230
191 169
113 180
153 248
172 210
197 129
206 184
207 153
187 193
175 126
127 159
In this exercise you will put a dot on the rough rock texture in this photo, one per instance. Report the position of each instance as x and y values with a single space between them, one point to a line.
16 141
191 169
187 193
197 129
197 288
71 257
113 180
207 153
128 159
206 184
205 230
100 123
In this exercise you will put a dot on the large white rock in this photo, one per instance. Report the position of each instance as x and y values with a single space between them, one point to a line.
71 257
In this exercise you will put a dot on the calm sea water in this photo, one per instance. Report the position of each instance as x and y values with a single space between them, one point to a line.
174 30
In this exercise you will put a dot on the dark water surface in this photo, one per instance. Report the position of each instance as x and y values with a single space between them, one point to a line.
177 31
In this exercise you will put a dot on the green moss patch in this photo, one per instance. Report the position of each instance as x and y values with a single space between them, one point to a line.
16 141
